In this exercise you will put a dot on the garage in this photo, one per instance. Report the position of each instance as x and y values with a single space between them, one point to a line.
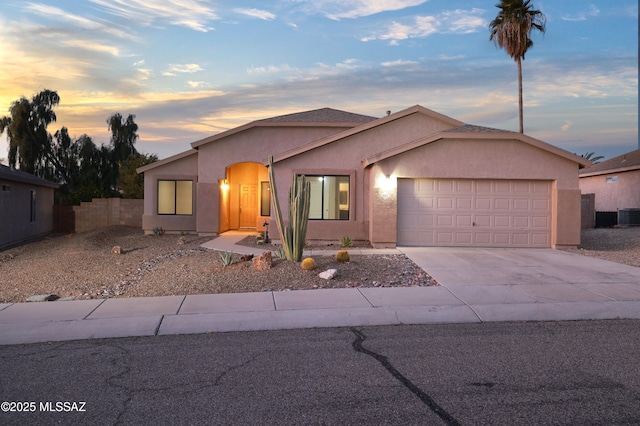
474 212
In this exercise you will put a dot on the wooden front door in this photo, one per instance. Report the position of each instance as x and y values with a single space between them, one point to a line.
248 205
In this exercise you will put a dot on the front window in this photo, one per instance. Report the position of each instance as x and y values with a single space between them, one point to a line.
329 197
175 197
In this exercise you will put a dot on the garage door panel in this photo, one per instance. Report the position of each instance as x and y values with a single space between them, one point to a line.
522 204
502 204
501 221
466 212
483 221
464 238
464 221
465 203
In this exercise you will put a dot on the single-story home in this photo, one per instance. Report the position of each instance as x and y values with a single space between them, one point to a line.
412 178
615 182
26 206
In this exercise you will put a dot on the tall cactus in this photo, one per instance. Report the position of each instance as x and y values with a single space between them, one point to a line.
293 235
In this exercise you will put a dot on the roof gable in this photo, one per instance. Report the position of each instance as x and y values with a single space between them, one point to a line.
326 117
622 163
166 161
467 131
322 115
416 109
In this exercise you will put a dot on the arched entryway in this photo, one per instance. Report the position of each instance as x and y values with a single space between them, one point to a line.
244 197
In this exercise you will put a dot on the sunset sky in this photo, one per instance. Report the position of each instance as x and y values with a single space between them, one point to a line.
191 68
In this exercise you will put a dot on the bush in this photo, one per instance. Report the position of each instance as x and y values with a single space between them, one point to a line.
226 258
308 264
346 241
342 256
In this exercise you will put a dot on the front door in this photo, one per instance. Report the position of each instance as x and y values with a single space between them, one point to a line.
248 205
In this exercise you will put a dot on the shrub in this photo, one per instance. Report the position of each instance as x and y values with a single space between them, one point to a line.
280 254
158 231
342 256
226 258
346 241
308 264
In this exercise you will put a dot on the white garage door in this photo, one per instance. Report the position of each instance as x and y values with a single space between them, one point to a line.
482 213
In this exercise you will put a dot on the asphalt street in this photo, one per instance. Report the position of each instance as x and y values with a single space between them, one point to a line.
574 372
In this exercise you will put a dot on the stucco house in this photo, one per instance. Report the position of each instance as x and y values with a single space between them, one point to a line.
615 182
26 206
413 178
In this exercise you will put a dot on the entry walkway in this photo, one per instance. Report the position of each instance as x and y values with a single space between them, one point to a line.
477 285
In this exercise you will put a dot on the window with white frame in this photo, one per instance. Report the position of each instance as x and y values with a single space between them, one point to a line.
175 197
330 197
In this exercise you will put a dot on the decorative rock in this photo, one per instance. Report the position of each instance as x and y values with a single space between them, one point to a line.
116 250
182 240
262 262
328 274
38 298
43 298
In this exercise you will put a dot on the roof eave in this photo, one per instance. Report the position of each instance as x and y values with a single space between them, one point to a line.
166 161
610 171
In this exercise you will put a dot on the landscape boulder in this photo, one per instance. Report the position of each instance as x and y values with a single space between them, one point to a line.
328 274
262 262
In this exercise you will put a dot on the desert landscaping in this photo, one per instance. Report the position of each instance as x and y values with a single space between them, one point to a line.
84 266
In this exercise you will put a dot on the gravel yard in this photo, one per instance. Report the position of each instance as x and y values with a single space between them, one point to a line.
621 245
83 266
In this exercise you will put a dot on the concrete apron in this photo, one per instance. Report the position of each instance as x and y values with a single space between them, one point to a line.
533 284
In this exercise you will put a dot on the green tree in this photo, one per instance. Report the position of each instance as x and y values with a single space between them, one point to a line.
30 145
131 183
511 30
124 133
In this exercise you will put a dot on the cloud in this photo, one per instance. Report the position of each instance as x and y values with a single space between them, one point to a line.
193 14
198 84
271 69
450 22
398 63
592 12
182 68
339 9
566 126
78 21
256 13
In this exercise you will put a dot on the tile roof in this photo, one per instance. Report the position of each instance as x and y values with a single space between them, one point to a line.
322 115
630 160
8 173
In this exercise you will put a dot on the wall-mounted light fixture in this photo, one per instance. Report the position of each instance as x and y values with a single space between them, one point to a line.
224 184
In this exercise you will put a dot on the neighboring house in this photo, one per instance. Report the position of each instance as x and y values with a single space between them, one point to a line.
26 206
615 182
413 178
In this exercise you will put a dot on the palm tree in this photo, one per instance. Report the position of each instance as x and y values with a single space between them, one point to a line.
511 31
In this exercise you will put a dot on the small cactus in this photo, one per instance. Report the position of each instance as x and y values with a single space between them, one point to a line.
308 264
342 256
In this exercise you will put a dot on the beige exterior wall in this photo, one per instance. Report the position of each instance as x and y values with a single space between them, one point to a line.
344 157
486 159
101 212
183 169
613 196
223 165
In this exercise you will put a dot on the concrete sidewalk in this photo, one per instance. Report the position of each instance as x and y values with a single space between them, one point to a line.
477 285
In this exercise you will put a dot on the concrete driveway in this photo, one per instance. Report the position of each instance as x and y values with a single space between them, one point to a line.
540 279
